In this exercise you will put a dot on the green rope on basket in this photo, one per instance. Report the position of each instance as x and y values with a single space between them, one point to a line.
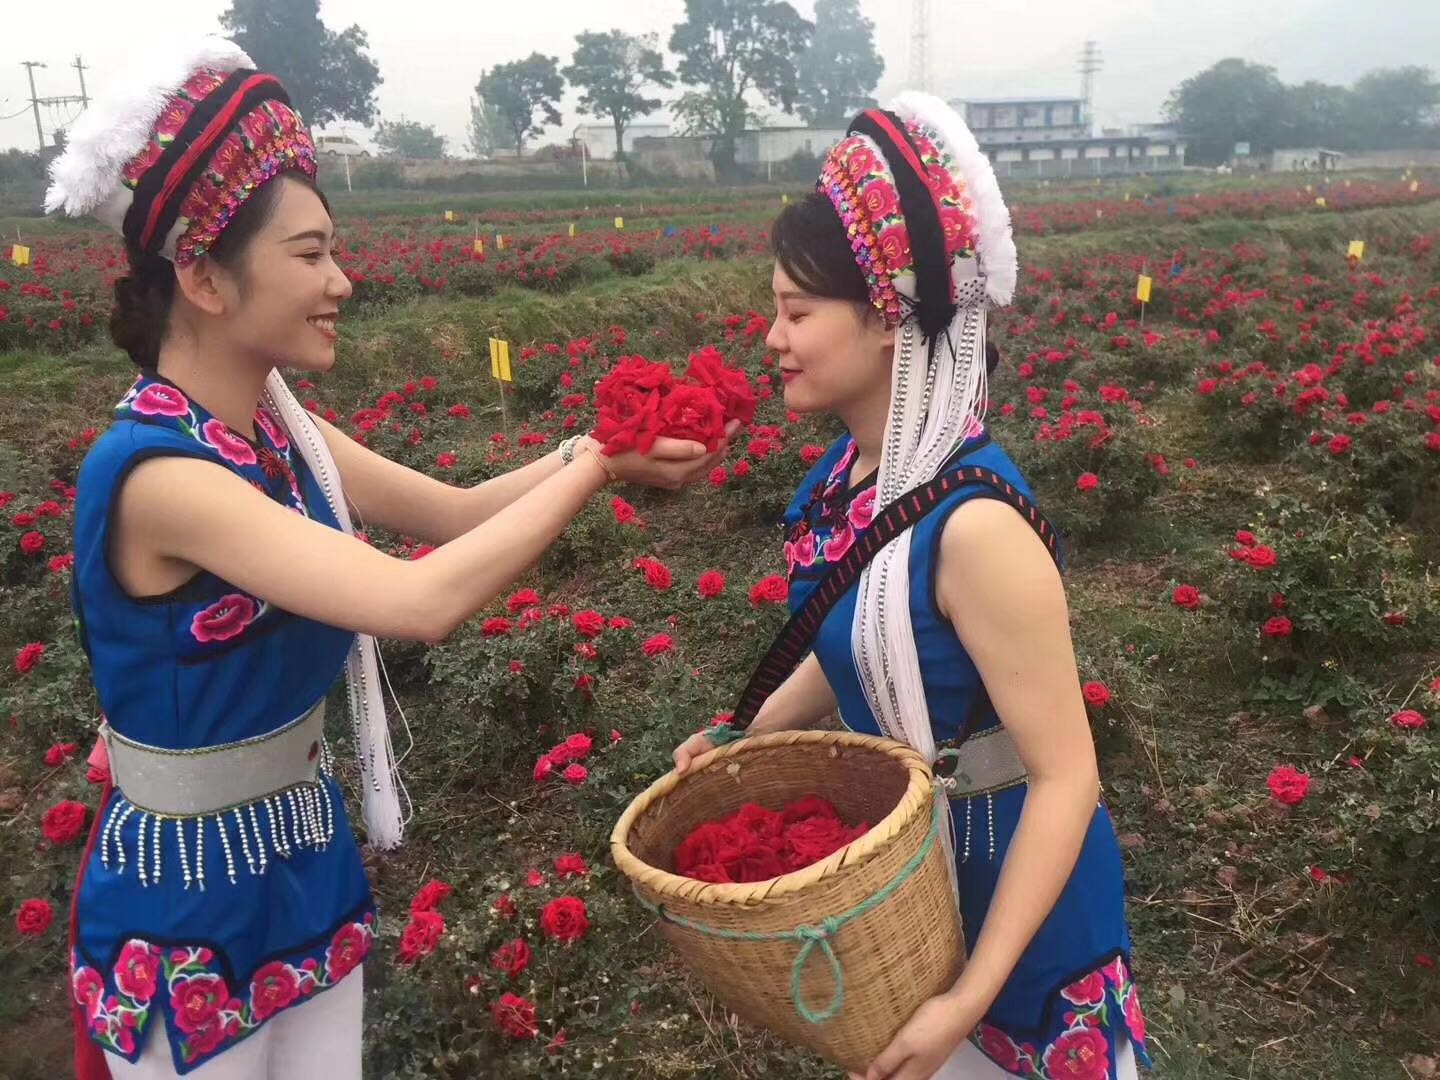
809 936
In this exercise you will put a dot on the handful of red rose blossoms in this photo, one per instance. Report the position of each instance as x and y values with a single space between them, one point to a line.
755 844
640 400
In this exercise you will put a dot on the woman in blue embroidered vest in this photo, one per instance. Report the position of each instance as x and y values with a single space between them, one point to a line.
223 913
956 637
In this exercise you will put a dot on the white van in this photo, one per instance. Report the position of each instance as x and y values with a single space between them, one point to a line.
339 146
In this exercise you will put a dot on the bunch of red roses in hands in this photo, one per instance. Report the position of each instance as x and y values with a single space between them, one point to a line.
756 844
639 401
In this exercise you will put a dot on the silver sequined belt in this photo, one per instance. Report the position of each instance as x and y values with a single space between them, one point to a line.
983 764
182 783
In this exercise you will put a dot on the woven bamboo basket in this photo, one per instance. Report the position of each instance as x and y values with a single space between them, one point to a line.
836 956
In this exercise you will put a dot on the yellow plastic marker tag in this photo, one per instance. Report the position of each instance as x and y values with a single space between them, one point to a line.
499 242
479 246
500 359
1320 201
784 200
572 228
1142 288
19 254
619 223
1357 250
1414 186
449 215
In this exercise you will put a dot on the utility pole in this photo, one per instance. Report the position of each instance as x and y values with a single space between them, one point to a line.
920 45
80 68
1090 63
30 66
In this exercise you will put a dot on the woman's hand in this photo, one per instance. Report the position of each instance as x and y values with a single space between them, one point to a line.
932 1034
690 749
671 463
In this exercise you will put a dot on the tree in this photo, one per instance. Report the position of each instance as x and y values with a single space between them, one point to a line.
1318 114
1234 101
1394 107
409 138
519 90
488 132
839 70
612 69
328 76
727 49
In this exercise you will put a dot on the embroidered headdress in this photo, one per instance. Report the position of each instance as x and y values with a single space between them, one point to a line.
922 210
167 157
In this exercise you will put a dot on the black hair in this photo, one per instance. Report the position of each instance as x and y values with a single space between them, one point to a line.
809 242
144 296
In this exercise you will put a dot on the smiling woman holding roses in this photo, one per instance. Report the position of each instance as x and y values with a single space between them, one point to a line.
955 638
219 591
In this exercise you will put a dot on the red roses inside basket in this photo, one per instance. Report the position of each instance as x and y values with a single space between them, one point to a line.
640 400
755 844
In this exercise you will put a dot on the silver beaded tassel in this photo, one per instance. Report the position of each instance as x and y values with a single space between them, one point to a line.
300 817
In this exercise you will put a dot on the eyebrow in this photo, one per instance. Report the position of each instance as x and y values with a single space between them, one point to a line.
310 234
793 294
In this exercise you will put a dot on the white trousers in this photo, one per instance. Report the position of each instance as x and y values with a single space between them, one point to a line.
319 1038
968 1063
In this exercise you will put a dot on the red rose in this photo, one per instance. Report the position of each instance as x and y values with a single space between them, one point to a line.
446 461
658 645
731 386
196 1001
64 822
512 958
515 1017
565 919
272 987
813 839
811 454
28 657
711 584
624 512
1260 557
1340 444
576 747
522 599
1278 627
571 865
718 476
504 906
1096 694
589 624
349 946
1408 720
1187 597
1087 482
742 468
770 590
695 413
32 543
1081 1053
632 380
420 936
1288 785
60 753
34 918
1245 539
575 775
430 896
657 574
498 626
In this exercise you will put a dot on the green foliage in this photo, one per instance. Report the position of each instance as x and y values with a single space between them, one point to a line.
328 75
612 71
524 93
409 139
838 72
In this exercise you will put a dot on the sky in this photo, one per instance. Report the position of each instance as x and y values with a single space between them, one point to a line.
431 52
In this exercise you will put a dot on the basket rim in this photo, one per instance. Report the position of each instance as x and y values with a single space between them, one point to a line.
917 798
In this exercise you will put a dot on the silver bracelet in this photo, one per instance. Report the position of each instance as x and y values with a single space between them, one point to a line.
567 449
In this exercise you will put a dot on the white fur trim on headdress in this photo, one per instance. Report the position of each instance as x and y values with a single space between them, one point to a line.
998 260
86 179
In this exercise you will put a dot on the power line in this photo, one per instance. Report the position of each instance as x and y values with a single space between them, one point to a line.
52 103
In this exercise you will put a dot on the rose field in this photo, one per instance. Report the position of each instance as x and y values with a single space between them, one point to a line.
1246 470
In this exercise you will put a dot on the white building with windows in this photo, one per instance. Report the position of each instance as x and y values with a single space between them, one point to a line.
1045 136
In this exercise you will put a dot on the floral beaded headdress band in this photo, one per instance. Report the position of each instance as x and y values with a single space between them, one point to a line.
922 210
169 158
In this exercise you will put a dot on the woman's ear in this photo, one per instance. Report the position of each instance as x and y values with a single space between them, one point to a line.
205 286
